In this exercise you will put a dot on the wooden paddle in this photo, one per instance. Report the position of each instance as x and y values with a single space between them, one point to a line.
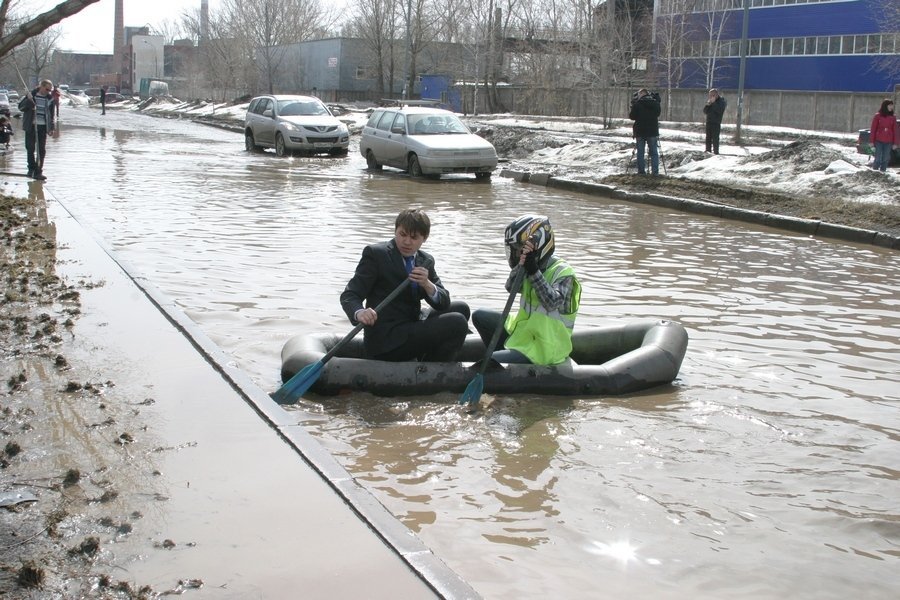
472 394
304 379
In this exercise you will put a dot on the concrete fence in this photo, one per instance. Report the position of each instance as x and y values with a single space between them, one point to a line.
820 111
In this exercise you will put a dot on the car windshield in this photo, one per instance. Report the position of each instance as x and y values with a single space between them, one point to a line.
295 108
435 124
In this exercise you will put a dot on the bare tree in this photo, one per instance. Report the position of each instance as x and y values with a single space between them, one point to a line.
34 56
35 25
420 32
673 29
378 22
266 26
888 14
714 25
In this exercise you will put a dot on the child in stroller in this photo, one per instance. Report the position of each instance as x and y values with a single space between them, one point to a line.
6 132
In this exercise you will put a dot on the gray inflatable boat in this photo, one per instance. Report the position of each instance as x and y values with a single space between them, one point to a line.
609 360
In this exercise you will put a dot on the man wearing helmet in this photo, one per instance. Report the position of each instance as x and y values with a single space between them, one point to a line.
541 331
398 332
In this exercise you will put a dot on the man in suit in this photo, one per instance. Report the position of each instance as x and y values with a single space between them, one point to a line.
399 332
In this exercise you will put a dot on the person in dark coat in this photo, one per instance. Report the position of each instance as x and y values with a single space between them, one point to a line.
400 331
103 100
37 120
714 109
645 111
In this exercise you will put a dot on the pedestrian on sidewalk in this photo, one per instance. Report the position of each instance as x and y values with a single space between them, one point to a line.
103 100
714 109
645 111
37 120
884 135
57 96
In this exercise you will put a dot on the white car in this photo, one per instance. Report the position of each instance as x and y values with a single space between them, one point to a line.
294 124
4 104
425 141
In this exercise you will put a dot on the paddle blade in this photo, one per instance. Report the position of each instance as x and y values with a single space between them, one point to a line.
299 384
472 394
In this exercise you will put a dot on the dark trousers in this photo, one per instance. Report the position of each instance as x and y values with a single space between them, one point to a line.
36 164
486 323
712 137
437 338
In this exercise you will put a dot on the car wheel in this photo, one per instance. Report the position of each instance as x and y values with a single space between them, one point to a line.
280 150
371 163
482 175
415 169
249 142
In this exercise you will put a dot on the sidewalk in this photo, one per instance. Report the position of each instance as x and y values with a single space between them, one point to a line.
246 500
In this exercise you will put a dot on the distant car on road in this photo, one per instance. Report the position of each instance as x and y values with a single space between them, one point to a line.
425 141
4 104
111 98
294 124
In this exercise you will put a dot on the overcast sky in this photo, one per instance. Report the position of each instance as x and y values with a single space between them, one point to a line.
91 30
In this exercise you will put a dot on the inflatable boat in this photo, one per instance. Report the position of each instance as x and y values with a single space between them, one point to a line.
609 360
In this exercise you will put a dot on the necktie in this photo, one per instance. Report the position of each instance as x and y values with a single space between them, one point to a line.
409 260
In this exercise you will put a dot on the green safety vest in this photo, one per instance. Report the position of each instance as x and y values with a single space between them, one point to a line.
545 337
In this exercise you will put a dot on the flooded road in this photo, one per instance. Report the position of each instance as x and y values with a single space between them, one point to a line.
770 469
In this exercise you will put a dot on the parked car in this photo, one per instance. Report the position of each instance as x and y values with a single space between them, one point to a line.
294 124
425 141
13 96
864 146
4 104
111 98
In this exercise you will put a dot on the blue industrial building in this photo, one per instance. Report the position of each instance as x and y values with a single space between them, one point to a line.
803 45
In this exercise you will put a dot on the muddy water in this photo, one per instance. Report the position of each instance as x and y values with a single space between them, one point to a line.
770 469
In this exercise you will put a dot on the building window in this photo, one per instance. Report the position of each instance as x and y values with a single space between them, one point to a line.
834 45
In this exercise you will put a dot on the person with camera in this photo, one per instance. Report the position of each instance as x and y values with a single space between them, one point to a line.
645 111
714 109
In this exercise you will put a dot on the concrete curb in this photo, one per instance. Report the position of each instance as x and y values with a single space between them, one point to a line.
404 543
811 227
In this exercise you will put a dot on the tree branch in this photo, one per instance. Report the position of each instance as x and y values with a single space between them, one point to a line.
41 23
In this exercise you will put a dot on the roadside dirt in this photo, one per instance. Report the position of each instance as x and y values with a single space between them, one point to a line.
65 434
875 217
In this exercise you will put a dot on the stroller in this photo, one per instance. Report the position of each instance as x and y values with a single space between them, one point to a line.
6 132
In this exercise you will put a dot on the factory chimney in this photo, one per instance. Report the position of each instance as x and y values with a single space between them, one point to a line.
204 21
119 29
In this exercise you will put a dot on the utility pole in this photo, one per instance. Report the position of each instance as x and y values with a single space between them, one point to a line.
407 87
743 70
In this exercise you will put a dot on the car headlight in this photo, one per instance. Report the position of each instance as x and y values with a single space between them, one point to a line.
289 126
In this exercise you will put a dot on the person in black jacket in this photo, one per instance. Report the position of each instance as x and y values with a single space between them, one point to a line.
37 120
399 332
645 111
713 109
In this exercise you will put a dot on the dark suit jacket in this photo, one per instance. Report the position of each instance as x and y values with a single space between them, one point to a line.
379 272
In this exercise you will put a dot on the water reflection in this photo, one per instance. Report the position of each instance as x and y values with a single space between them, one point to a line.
779 439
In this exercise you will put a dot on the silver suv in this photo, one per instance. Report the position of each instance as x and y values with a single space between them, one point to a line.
294 124
425 141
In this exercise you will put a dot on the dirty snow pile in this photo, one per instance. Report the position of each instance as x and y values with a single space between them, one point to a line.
817 163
